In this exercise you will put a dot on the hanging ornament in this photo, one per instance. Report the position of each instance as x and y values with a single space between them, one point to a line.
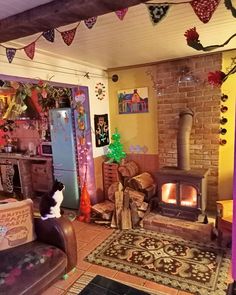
10 52
121 13
90 22
204 8
68 36
157 12
49 35
229 5
30 50
100 91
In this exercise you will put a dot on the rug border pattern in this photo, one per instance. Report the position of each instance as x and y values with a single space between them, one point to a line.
220 286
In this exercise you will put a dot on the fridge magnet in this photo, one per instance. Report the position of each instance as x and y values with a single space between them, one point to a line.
132 101
101 130
100 91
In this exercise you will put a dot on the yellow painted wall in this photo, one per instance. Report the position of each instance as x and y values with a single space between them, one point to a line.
135 129
226 154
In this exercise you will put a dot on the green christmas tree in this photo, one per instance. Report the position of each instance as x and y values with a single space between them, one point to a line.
115 149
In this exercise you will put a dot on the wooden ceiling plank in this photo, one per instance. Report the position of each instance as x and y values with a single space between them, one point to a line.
55 14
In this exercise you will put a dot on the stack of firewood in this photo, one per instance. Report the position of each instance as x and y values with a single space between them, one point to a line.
129 209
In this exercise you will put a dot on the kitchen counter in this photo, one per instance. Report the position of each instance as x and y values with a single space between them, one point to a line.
34 172
21 156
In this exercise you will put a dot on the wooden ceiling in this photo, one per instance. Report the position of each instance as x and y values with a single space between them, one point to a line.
111 43
55 14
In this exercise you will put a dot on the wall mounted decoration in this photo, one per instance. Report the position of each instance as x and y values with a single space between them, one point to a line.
224 97
100 91
133 100
223 121
101 130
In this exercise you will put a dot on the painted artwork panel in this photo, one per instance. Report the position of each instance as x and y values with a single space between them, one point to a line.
101 130
132 101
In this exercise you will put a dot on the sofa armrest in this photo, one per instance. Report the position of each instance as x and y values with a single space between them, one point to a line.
60 233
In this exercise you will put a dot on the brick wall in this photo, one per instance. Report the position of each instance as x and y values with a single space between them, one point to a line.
204 101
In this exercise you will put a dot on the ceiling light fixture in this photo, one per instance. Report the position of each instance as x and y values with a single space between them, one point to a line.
186 76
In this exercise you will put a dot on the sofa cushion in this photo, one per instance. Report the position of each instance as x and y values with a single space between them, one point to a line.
16 223
29 268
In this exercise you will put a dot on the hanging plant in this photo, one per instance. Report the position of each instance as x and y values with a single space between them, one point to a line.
49 96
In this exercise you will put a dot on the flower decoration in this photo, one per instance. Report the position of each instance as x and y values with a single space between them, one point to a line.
216 78
100 91
192 38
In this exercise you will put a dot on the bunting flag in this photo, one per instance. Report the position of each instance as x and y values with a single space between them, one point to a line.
68 36
90 22
30 50
229 5
10 53
157 12
121 13
49 35
204 9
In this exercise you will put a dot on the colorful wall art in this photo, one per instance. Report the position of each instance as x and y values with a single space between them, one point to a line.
133 100
102 130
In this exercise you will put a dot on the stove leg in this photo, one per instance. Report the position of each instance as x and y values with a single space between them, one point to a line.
205 221
232 289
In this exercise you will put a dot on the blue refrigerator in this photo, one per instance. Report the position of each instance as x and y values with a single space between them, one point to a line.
64 148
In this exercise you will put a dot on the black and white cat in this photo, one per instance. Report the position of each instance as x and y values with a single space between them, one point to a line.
50 203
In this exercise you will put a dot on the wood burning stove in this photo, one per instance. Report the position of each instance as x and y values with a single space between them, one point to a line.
181 193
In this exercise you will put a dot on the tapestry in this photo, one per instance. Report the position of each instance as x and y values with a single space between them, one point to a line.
169 260
101 130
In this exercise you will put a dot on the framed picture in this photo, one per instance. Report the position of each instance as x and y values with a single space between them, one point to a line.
133 100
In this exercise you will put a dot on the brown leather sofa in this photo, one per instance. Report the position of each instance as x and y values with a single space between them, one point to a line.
33 267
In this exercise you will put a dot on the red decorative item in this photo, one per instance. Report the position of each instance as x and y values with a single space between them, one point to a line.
30 50
68 36
121 13
90 22
216 78
85 205
191 35
204 8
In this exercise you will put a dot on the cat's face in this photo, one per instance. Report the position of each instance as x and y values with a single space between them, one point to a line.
58 186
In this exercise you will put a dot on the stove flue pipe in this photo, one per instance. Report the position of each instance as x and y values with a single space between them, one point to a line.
183 137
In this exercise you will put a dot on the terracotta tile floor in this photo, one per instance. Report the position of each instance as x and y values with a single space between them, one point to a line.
89 236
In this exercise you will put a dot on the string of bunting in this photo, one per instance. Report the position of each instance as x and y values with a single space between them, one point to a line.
204 9
49 35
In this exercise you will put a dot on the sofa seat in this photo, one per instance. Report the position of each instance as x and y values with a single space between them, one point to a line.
28 268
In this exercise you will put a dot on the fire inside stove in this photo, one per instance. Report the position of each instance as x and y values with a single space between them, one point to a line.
187 195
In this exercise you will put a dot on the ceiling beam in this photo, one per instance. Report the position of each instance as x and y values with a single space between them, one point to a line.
55 14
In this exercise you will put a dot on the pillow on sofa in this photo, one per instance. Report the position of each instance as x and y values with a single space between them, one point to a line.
16 223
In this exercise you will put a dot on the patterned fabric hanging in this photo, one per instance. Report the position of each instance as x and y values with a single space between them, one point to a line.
10 53
30 50
157 12
121 13
68 36
90 22
49 35
204 8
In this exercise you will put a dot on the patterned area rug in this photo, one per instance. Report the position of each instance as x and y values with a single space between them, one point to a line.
181 264
87 277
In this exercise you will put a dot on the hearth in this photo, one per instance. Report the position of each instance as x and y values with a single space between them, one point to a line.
182 192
